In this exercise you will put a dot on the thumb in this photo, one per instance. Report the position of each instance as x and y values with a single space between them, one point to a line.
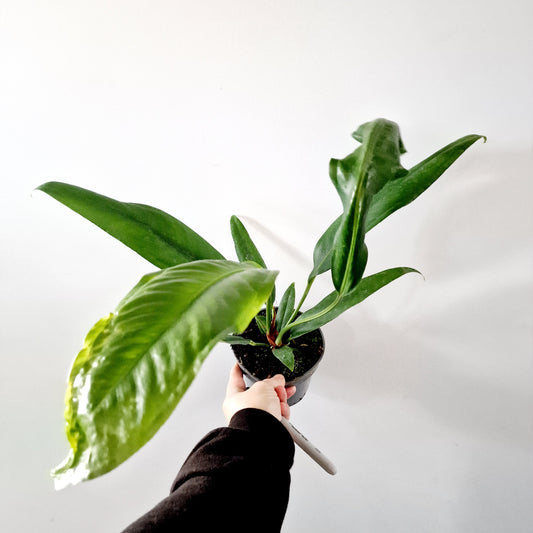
236 382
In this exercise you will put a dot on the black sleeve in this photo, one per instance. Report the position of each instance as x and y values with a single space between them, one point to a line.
236 479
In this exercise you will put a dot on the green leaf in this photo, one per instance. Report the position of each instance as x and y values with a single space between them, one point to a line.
324 250
138 362
367 286
286 307
402 191
237 339
357 178
244 246
247 251
286 355
152 233
260 320
394 195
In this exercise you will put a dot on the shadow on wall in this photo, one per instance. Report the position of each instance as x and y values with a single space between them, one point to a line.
463 350
486 223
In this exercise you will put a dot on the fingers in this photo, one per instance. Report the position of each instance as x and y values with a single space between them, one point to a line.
282 393
277 381
236 382
269 394
285 410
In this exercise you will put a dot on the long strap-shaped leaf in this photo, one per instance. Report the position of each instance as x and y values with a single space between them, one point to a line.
357 178
367 286
152 233
247 251
244 246
402 191
395 195
138 362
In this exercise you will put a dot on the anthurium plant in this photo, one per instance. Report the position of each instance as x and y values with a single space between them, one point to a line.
138 361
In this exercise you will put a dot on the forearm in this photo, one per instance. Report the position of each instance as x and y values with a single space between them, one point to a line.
236 477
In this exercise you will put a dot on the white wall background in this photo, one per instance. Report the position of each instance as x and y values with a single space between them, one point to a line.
209 108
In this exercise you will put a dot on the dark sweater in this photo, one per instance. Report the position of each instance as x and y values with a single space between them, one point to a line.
235 479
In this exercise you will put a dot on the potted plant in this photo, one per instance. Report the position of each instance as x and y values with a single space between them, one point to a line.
137 362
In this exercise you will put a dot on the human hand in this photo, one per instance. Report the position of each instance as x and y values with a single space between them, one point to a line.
270 395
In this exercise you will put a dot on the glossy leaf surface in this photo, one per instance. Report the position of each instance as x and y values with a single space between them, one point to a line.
152 233
244 246
286 307
402 191
138 362
366 287
261 322
395 195
237 339
357 178
247 251
324 250
286 355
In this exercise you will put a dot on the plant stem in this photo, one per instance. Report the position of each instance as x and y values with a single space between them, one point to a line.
302 299
252 343
291 325
268 312
295 312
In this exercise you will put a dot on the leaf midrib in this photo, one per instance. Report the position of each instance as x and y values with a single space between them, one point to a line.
365 163
162 237
137 361
113 206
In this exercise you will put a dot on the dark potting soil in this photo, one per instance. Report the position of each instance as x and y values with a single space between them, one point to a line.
261 362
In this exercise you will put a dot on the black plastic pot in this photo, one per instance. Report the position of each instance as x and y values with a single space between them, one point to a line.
301 382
